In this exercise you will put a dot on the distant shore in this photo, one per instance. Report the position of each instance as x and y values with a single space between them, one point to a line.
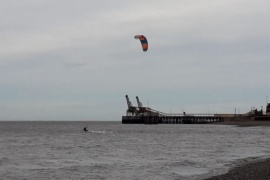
243 122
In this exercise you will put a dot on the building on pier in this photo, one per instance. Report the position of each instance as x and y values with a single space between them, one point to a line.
268 109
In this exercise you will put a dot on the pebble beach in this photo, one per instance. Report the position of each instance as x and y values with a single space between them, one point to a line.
256 170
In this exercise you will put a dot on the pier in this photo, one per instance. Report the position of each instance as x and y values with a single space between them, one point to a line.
146 115
170 119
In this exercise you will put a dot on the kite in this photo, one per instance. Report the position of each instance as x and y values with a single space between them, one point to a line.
143 40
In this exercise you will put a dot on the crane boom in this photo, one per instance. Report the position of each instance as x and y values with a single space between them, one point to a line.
138 102
128 102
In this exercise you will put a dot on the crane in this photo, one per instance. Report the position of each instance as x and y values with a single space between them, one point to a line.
131 109
138 102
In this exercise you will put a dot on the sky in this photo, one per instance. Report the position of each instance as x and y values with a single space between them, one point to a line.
76 60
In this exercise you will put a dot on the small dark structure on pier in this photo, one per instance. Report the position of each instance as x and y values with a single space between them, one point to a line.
146 115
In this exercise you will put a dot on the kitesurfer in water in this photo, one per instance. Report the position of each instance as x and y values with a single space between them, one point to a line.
85 129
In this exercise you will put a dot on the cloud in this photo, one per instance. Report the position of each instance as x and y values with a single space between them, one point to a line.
67 55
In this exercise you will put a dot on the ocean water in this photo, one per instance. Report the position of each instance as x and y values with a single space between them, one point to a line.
115 151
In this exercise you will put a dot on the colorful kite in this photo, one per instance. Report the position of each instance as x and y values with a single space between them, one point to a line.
144 42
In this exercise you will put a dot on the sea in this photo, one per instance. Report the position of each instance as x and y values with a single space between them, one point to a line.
45 150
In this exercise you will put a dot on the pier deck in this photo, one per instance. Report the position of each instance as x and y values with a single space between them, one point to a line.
198 119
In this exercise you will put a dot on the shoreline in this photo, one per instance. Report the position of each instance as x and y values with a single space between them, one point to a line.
247 169
252 170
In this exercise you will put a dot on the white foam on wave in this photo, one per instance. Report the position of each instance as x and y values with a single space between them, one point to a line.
100 132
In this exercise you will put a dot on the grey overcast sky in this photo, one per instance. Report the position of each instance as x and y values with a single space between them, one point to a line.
77 59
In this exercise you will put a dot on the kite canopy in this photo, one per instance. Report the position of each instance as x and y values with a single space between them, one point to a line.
143 40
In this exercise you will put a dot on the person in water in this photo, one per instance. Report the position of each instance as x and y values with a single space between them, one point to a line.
85 129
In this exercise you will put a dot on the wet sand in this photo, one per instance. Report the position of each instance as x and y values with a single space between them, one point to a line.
257 170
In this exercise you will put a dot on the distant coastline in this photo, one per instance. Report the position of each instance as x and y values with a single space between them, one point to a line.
243 122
